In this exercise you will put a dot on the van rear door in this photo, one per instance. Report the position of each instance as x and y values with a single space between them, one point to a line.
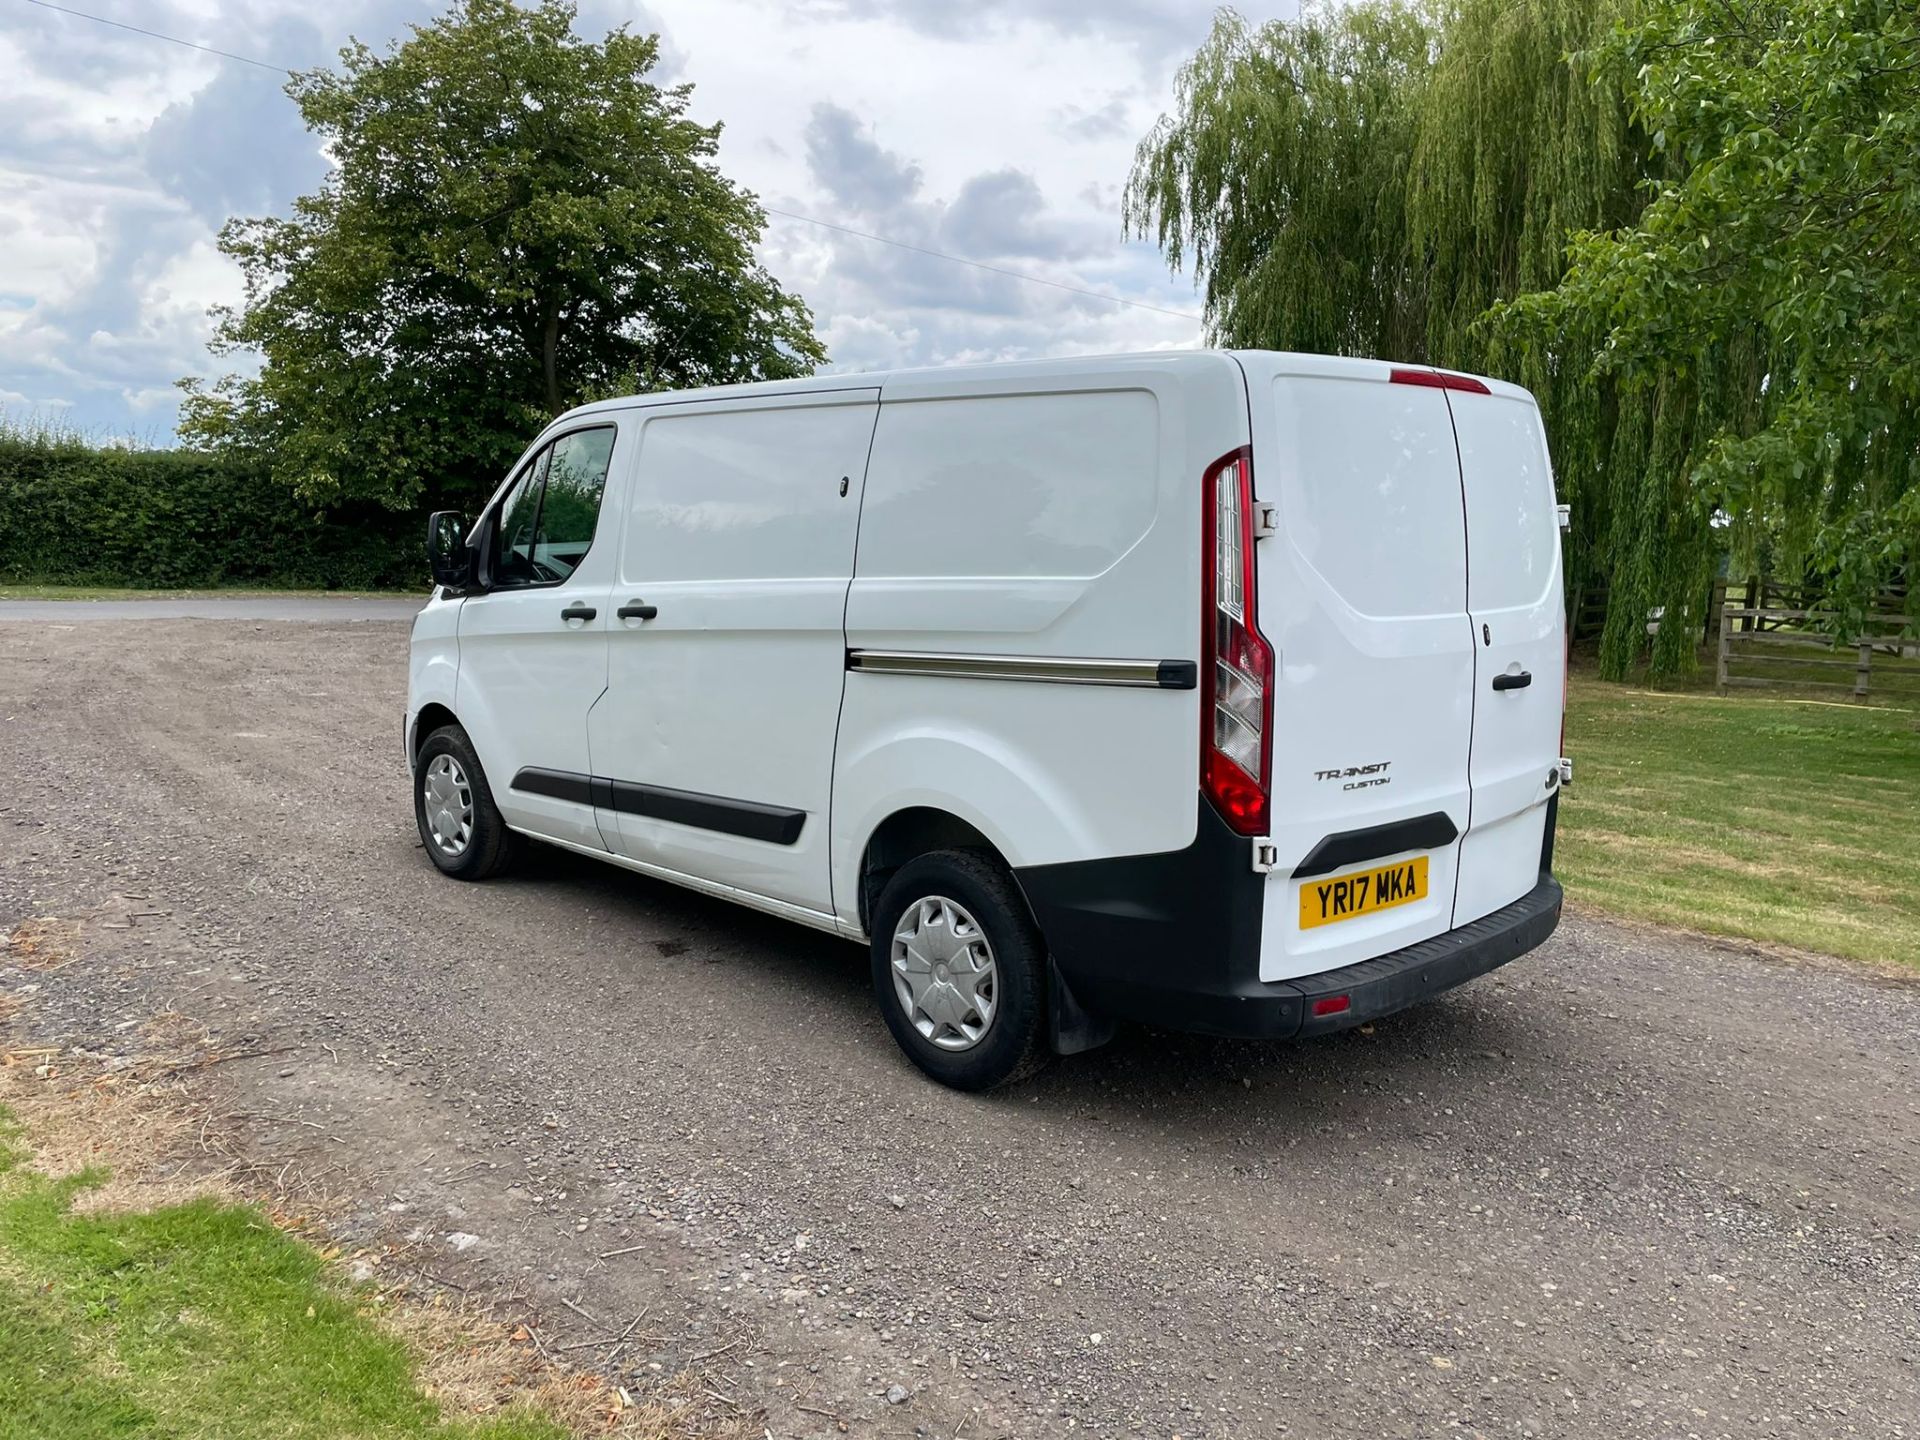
1514 597
1363 595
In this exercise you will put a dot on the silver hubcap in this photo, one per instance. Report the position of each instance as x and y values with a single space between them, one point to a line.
447 799
944 974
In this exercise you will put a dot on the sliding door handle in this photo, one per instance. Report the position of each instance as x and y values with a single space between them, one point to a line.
1513 682
637 610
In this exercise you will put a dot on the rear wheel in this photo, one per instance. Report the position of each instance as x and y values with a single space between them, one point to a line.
959 969
460 825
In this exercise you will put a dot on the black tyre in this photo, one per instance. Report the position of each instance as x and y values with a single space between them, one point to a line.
459 823
960 970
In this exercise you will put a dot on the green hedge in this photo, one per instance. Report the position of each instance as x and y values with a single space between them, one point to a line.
77 514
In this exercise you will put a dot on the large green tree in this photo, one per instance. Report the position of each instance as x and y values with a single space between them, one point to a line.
516 219
1370 178
1775 273
1281 176
1688 226
1526 139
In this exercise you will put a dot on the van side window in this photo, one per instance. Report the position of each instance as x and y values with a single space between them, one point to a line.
519 514
576 479
547 518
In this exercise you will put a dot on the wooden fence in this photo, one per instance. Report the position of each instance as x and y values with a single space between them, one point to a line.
1761 603
1769 604
1884 660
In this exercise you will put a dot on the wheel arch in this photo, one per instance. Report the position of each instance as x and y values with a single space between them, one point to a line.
906 834
432 716
999 796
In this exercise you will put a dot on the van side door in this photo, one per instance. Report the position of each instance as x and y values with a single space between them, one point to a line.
533 647
713 747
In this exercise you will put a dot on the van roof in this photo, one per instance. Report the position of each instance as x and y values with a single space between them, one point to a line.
1001 377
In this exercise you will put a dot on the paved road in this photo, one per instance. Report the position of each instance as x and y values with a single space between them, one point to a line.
216 607
1633 1185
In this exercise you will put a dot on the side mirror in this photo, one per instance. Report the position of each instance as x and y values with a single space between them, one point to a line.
448 557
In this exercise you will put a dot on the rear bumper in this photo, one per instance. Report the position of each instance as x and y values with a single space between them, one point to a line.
1173 941
1392 982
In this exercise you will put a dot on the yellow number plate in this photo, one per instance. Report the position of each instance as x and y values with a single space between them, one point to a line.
1341 897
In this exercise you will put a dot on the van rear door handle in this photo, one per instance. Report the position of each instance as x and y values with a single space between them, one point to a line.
637 610
1513 682
577 611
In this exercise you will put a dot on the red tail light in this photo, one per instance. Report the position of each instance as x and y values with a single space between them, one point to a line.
1236 662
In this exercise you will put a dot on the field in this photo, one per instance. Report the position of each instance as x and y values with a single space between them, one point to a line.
1776 819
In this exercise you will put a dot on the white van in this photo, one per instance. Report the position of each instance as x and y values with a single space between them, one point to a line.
1215 691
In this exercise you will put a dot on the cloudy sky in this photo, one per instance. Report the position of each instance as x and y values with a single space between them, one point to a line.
1001 130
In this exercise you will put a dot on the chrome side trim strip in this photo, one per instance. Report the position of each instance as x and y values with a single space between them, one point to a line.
1043 669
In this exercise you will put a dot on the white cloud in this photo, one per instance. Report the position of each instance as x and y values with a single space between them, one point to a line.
999 131
32 404
148 399
189 282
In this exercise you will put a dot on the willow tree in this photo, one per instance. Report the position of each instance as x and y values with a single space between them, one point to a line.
1527 138
1775 277
1282 178
1373 178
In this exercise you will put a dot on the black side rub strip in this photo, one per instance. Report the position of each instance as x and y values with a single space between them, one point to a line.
560 784
1350 847
747 818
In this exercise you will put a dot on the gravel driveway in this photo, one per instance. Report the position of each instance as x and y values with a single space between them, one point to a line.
1636 1184
215 607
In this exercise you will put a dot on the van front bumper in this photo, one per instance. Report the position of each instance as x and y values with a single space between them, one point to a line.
1175 944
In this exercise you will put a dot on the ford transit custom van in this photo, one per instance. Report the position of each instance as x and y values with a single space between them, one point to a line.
1218 691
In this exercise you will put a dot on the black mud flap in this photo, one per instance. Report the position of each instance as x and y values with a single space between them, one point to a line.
1070 1028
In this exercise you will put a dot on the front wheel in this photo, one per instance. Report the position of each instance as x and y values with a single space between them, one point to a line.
459 823
959 969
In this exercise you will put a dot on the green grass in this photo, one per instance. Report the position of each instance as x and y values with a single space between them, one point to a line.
199 1321
29 591
1768 818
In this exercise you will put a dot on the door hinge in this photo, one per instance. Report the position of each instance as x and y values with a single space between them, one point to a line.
1266 520
1566 770
1266 856
1564 514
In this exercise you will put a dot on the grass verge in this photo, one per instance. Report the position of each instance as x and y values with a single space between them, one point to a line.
146 1292
200 1318
1782 820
